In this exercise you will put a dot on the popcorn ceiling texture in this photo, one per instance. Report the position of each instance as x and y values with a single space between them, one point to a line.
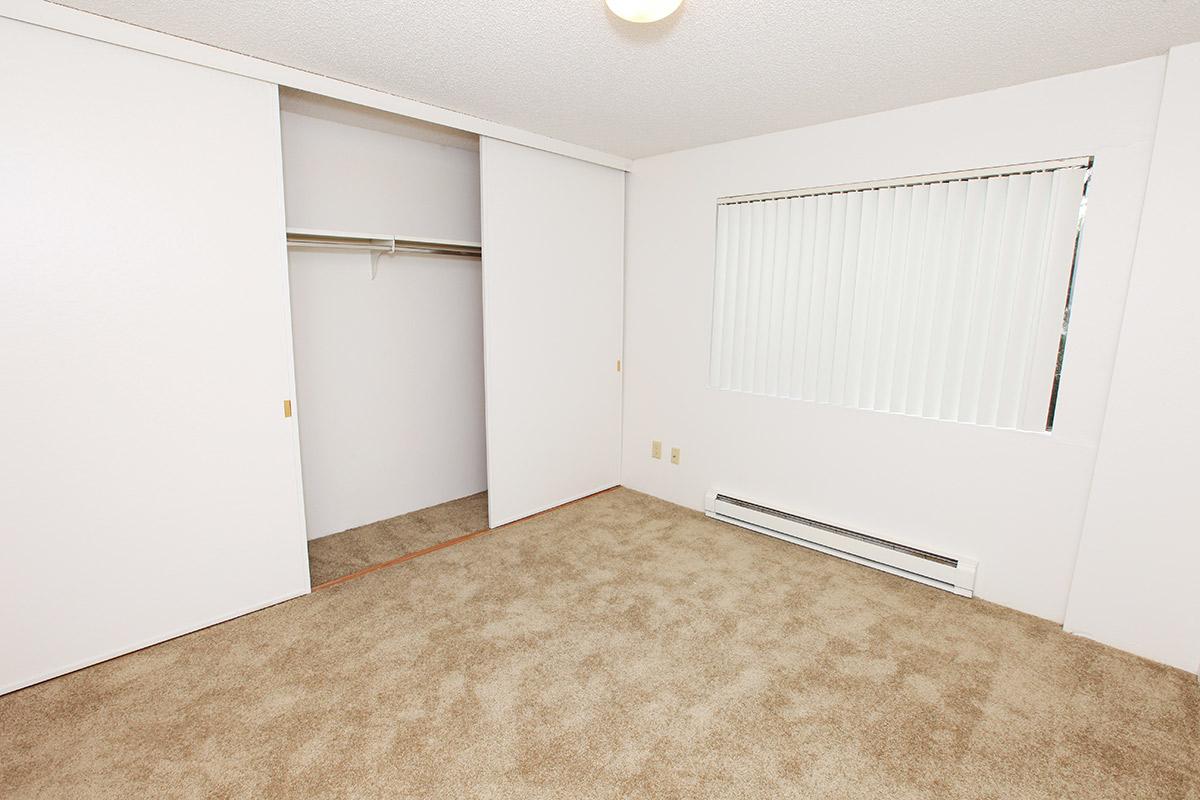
717 70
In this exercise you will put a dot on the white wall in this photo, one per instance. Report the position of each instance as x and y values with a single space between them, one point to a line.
389 372
149 481
1137 583
1013 500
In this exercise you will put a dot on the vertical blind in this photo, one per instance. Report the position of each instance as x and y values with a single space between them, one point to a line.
943 297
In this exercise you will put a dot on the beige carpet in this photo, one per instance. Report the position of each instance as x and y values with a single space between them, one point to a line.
349 551
620 647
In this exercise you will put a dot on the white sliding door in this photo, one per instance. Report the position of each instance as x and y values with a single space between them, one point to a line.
553 250
148 478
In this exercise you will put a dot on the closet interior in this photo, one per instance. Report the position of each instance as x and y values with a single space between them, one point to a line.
384 264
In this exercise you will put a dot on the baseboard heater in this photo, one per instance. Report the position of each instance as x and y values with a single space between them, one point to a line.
952 573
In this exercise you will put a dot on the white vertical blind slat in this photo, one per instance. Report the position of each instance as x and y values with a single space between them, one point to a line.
893 280
983 299
927 286
816 299
761 298
727 261
943 300
787 346
1008 271
945 290
748 266
754 270
861 290
778 292
966 278
885 215
906 315
720 273
827 339
844 300
738 285
808 245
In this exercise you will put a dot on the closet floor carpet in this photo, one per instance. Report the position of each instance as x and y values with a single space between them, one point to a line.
617 647
349 551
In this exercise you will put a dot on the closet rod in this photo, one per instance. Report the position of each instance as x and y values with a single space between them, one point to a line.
377 245
373 242
400 247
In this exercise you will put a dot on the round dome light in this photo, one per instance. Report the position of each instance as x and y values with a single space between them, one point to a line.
643 10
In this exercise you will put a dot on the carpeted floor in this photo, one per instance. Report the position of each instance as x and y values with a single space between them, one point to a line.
619 647
349 551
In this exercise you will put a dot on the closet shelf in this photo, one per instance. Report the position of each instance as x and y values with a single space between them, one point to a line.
377 244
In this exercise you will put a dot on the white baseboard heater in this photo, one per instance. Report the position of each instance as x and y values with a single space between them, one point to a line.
952 573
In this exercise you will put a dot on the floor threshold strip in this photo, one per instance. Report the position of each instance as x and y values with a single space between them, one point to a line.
442 545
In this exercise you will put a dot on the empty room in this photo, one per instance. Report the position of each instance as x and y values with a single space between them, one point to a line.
599 399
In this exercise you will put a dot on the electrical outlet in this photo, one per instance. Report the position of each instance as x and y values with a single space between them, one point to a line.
674 455
656 449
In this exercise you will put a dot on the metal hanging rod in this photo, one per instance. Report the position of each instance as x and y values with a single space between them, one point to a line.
379 244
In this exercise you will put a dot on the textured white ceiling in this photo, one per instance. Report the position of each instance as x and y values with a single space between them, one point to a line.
717 70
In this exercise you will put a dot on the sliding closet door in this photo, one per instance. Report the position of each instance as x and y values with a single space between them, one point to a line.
553 233
148 478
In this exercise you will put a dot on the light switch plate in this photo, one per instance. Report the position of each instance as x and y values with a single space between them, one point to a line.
674 455
656 449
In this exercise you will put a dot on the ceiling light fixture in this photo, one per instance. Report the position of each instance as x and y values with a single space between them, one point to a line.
643 10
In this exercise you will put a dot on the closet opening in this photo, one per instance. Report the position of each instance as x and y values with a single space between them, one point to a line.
387 331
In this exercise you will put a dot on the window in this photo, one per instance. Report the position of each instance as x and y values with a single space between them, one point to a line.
942 296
